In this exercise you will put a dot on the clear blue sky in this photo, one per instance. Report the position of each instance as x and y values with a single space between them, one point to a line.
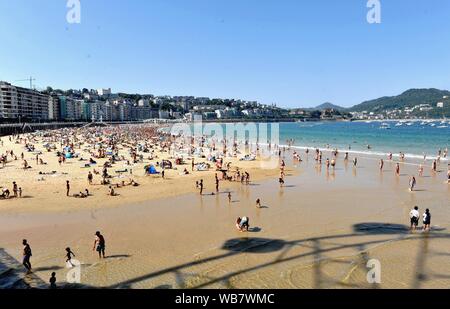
291 52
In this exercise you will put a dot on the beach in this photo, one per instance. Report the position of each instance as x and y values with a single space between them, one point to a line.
317 231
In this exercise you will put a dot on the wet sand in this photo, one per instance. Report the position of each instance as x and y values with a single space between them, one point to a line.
318 231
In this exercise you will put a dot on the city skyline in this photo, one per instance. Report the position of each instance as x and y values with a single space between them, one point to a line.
294 54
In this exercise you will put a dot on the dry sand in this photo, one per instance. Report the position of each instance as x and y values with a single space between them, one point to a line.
318 231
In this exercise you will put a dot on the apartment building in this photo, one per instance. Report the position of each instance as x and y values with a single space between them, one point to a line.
23 103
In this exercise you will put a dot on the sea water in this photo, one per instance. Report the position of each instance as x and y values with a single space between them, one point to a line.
414 139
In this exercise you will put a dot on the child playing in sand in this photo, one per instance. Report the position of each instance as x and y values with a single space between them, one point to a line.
111 191
258 203
53 281
242 224
69 255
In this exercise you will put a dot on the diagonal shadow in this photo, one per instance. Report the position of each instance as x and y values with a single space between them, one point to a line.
235 247
13 274
261 245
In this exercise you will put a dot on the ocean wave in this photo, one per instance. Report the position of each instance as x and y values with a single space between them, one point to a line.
369 153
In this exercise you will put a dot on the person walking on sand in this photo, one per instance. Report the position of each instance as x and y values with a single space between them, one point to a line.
90 177
397 169
27 254
381 164
229 197
421 170
426 220
412 183
69 255
99 245
414 216
434 166
201 186
258 203
67 188
15 189
355 161
217 183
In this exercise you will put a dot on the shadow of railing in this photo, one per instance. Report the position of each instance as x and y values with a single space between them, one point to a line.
13 274
318 248
393 232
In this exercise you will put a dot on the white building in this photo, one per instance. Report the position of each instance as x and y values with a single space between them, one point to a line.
144 103
440 105
18 102
104 92
164 114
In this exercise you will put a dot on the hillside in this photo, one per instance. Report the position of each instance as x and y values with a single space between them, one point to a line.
328 105
407 99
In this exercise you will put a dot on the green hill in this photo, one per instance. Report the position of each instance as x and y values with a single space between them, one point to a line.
409 99
329 105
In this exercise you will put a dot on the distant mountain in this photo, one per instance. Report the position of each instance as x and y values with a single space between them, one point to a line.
329 105
409 98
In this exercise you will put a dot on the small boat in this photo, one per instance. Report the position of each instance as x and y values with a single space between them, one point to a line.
385 126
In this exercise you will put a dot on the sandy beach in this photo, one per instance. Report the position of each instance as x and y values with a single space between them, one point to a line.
318 231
